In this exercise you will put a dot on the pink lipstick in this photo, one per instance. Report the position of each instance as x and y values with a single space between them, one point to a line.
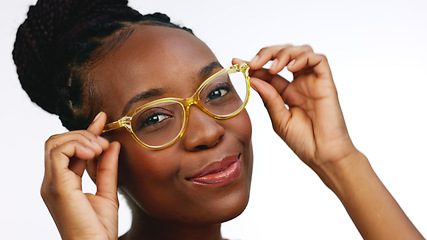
218 173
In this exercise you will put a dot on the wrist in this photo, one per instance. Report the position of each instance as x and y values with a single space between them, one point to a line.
341 176
373 210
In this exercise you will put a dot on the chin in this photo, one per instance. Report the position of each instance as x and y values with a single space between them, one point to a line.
234 211
219 212
230 203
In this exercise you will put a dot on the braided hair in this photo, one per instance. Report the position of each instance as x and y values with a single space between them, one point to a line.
60 40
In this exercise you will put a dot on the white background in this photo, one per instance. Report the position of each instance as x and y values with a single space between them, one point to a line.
377 52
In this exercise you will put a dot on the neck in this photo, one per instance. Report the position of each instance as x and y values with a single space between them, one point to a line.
145 227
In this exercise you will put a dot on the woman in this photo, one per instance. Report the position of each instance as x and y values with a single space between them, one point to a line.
79 58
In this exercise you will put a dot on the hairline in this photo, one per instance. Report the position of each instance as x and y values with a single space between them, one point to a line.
109 45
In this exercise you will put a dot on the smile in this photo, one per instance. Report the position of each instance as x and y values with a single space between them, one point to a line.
218 173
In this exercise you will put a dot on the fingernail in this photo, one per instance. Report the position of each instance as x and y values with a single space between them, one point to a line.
97 116
291 63
102 139
253 85
274 64
254 88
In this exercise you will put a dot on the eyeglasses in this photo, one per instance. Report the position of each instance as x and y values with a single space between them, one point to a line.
160 123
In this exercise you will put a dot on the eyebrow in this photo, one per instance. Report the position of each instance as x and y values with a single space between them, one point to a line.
203 74
207 70
141 96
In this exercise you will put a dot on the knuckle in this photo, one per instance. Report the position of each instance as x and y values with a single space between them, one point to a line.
53 137
263 50
54 153
307 47
82 138
79 137
50 142
323 57
285 46
284 52
48 191
43 193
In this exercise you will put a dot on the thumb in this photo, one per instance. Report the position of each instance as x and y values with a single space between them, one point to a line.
98 123
107 172
273 102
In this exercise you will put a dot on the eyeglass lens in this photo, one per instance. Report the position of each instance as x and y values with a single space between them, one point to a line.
162 122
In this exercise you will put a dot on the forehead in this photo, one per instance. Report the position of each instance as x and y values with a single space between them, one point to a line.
152 57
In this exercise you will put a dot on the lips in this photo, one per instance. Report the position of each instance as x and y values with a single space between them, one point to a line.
218 173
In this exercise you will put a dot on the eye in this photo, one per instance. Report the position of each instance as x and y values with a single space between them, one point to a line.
154 119
218 92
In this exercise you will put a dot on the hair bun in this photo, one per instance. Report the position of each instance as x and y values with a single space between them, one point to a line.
50 27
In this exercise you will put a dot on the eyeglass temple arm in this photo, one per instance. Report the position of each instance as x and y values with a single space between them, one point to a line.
123 122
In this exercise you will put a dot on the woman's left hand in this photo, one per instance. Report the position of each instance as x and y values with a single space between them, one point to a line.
305 112
307 116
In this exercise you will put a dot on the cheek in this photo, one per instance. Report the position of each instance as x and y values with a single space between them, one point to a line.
151 180
241 126
148 177
242 129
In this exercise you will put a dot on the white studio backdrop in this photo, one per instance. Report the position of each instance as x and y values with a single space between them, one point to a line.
377 51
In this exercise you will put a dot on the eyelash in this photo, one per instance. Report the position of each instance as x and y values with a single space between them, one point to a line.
151 117
144 120
219 87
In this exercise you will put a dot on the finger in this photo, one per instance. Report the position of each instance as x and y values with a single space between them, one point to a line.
98 123
286 55
280 55
264 55
81 135
78 166
78 146
278 82
106 180
84 138
237 61
317 62
273 102
60 156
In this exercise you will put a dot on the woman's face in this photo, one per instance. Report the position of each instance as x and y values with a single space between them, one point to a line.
163 183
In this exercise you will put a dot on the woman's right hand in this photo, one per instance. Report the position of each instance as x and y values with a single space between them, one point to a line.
81 215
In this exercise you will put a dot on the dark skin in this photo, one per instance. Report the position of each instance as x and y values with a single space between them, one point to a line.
305 113
156 182
172 60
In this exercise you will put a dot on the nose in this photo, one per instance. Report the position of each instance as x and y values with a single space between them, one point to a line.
203 131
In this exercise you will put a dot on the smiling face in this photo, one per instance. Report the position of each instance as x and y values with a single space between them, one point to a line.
205 176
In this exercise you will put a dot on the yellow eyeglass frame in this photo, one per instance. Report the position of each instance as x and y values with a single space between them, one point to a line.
185 103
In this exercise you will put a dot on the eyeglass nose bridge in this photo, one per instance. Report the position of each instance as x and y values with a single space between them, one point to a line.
195 100
186 104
